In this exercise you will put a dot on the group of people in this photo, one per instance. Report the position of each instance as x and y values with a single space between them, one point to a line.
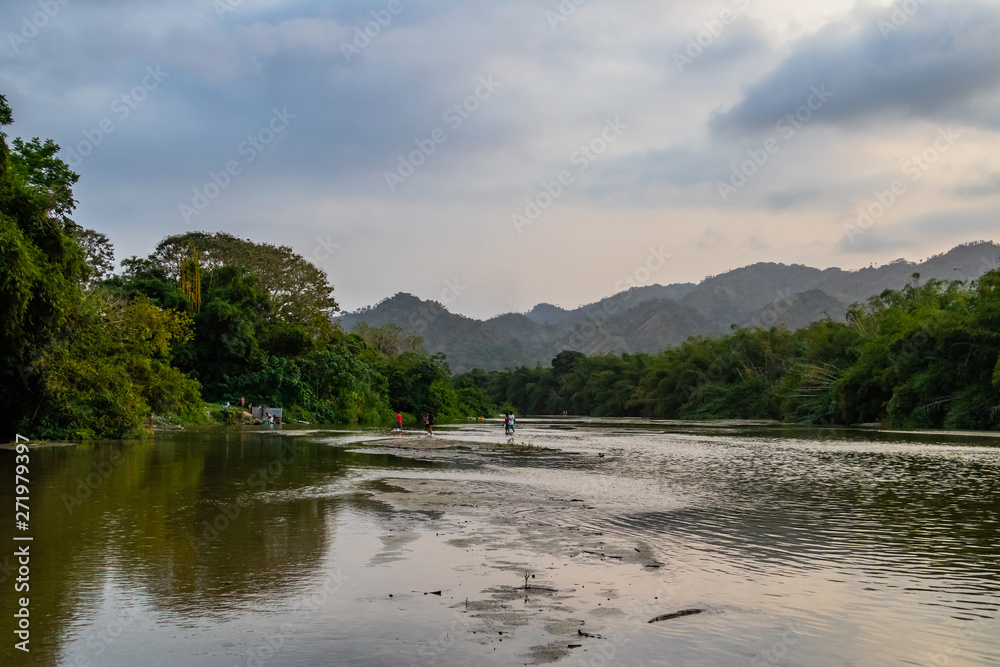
428 423
508 423
265 416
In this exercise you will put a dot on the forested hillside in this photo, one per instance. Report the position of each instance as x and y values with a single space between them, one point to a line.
650 318
85 352
925 356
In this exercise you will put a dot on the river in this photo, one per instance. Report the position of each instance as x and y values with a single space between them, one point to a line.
326 546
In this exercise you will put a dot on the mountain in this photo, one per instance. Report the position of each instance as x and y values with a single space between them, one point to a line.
653 317
658 324
466 342
546 313
797 311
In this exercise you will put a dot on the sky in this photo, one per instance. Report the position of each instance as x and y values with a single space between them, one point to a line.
494 155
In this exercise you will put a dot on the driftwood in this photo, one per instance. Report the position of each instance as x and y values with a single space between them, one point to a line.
676 614
592 635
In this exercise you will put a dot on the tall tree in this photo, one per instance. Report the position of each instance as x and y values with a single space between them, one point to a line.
41 265
299 292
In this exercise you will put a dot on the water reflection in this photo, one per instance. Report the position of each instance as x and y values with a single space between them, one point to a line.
200 525
206 529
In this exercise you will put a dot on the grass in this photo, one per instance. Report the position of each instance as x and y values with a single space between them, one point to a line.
513 445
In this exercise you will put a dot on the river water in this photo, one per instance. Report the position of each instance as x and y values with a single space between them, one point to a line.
271 546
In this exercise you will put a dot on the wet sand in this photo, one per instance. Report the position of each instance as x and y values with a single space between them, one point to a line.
587 593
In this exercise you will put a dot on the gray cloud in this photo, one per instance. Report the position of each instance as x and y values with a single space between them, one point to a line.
987 187
875 242
323 177
955 225
935 65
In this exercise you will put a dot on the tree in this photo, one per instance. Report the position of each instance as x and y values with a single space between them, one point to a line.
299 292
35 164
104 379
41 264
100 255
227 330
388 339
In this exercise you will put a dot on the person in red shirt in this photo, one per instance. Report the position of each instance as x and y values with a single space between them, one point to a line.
399 421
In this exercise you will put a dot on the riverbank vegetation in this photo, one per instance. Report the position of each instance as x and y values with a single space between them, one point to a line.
86 352
89 353
925 356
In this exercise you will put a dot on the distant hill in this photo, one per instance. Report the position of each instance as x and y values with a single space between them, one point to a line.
797 311
654 317
546 313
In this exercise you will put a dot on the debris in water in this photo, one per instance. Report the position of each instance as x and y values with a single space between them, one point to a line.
676 614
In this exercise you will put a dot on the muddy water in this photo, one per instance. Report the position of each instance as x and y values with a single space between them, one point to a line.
327 547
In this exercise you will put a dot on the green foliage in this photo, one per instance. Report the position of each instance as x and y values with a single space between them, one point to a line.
35 165
105 376
227 329
299 291
84 353
41 265
924 356
328 386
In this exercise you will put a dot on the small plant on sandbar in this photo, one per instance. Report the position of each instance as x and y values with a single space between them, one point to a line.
513 444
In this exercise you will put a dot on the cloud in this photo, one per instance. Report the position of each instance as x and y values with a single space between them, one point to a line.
944 227
355 117
875 242
984 188
713 237
967 223
741 39
940 63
